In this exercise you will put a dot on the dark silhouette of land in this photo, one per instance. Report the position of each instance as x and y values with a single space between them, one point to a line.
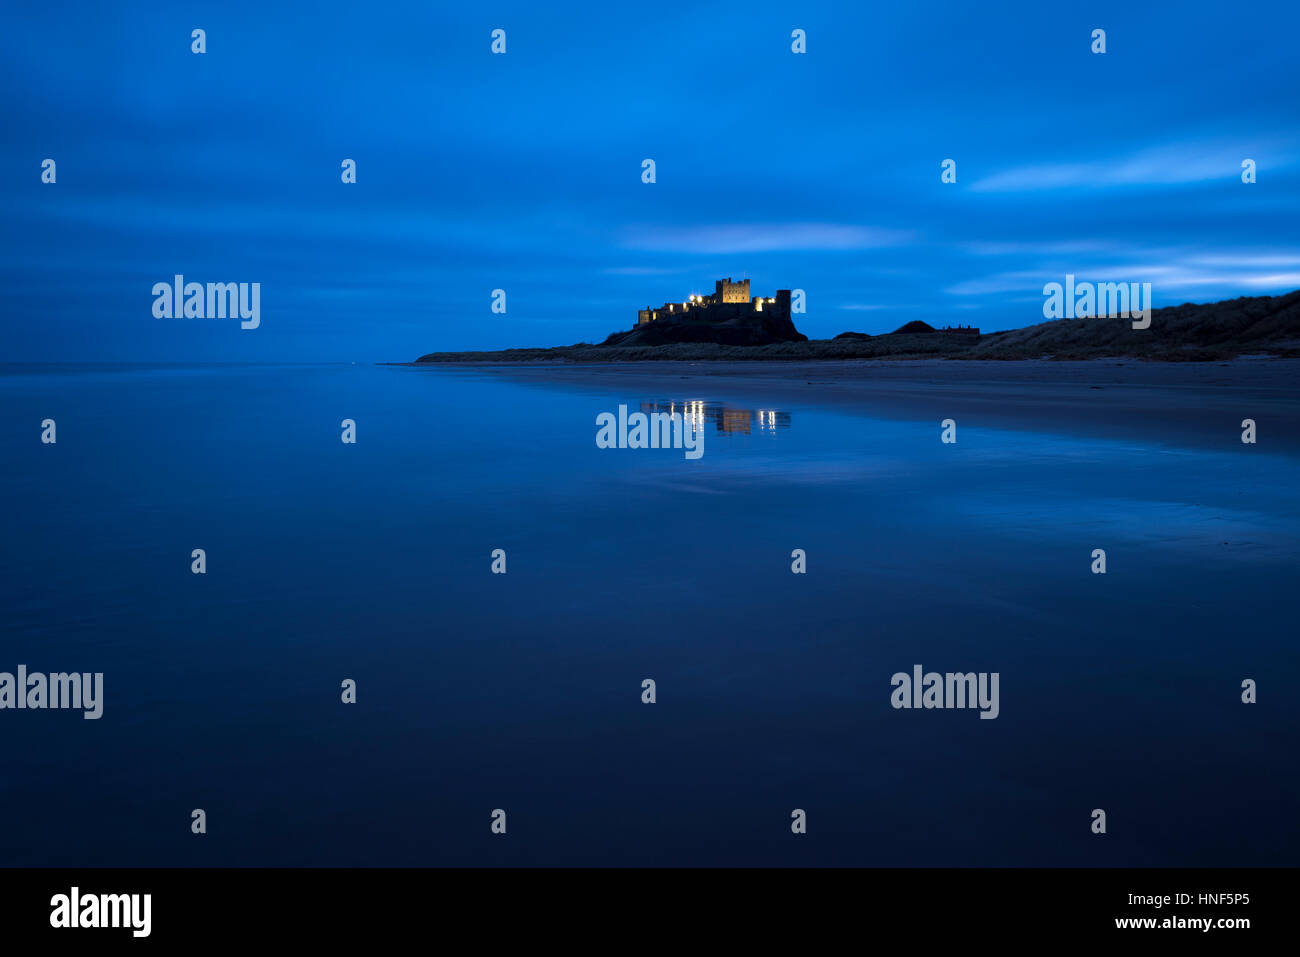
740 327
1259 325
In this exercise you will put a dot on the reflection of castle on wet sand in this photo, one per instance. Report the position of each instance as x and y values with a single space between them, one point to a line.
726 418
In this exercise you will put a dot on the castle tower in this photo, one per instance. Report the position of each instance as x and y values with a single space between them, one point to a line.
728 291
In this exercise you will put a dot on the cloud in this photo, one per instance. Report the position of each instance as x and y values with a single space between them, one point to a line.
1162 166
1074 247
999 283
1168 279
640 271
761 237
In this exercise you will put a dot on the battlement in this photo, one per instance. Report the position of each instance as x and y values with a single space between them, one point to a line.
727 293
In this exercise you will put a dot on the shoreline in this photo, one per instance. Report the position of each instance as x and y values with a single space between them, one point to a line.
1165 403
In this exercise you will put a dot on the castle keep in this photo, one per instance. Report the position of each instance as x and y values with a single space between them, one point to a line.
729 300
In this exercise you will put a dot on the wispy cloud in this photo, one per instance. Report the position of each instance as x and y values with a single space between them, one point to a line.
1162 166
1072 247
761 237
1169 274
999 283
640 271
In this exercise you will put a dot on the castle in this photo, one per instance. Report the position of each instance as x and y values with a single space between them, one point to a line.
729 300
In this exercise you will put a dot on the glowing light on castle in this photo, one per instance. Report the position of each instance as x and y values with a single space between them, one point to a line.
730 298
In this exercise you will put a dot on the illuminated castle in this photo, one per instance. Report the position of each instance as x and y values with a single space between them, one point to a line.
729 300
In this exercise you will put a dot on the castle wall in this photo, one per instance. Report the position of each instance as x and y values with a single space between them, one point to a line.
730 299
734 291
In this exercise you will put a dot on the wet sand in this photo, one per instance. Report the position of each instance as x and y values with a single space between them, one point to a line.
1193 404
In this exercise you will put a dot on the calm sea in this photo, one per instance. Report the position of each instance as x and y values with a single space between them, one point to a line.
372 561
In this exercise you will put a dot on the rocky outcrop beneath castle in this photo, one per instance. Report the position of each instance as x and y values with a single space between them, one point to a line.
728 324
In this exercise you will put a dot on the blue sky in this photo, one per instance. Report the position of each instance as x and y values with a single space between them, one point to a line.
523 172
